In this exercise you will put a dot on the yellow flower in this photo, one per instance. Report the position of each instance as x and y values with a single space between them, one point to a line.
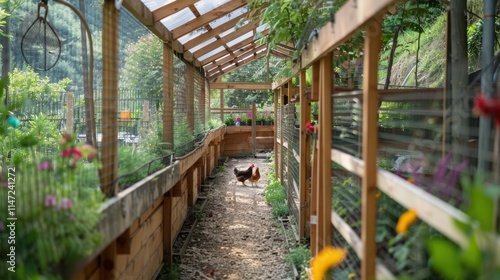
352 275
326 259
405 221
410 180
378 194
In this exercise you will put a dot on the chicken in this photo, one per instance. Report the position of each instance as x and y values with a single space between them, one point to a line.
243 175
255 177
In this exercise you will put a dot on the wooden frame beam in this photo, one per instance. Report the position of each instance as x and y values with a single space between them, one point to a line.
230 59
207 18
246 86
238 65
305 158
372 48
171 8
214 32
251 26
230 50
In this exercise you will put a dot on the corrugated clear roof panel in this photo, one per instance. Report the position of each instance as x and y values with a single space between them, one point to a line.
207 55
211 40
250 55
182 17
155 4
205 6
228 17
262 27
230 30
241 38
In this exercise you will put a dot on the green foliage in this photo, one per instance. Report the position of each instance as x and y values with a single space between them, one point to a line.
27 85
299 256
56 218
229 121
183 138
130 158
477 259
144 65
275 195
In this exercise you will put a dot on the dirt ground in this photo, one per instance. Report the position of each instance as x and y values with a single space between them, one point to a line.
236 237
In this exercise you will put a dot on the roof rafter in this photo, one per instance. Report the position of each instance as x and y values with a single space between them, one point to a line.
230 50
214 32
238 65
229 58
207 18
226 39
222 65
171 9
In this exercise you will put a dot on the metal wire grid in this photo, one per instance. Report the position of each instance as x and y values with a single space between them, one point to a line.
403 254
346 197
350 267
253 72
347 127
411 143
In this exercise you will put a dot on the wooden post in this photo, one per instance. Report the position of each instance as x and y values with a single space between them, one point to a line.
145 111
191 198
190 96
167 229
70 121
325 140
282 127
109 170
370 145
168 96
315 166
221 105
276 92
254 129
305 157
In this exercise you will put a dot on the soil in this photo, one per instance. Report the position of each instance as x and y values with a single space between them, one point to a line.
235 236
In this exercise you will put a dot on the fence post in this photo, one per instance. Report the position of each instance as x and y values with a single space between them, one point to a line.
370 145
254 129
305 157
168 97
70 121
145 111
314 173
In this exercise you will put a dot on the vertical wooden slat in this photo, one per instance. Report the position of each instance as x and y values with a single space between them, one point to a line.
282 128
69 112
305 157
276 159
109 152
325 140
145 111
190 72
221 104
168 96
254 128
167 225
315 177
190 186
370 145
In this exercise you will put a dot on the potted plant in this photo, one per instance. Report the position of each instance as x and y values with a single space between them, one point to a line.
269 119
229 121
249 119
260 119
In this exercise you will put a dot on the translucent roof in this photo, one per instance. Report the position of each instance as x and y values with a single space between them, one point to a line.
182 12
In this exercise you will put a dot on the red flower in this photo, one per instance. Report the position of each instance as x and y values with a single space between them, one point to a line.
488 107
310 127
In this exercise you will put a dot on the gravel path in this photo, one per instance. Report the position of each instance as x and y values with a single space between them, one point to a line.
236 237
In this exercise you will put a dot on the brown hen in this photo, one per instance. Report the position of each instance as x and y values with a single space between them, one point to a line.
255 177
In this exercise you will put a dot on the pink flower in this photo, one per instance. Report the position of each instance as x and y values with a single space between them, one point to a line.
66 203
45 165
238 119
249 115
50 200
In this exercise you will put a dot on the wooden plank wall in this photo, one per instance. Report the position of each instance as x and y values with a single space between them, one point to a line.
146 244
238 140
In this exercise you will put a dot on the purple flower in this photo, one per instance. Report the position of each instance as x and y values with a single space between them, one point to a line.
50 200
2 226
66 203
45 165
249 115
442 167
238 119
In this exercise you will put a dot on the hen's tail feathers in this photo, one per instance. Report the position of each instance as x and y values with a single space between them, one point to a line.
235 170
